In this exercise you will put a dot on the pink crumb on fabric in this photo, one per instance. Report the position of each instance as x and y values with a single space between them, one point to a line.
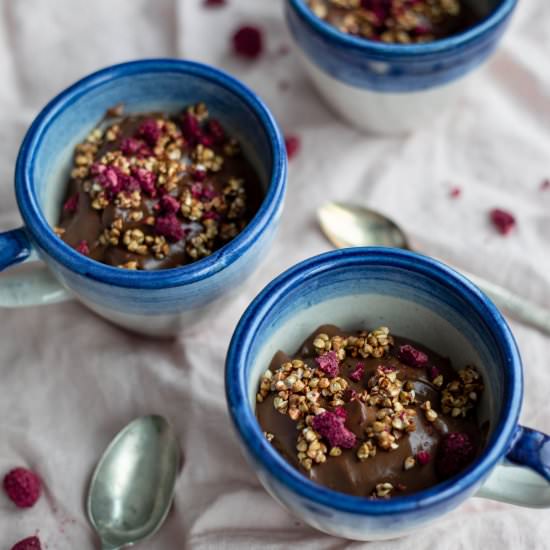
214 3
292 144
71 204
248 42
30 543
330 426
411 356
545 185
23 487
455 192
423 457
329 364
455 452
358 372
503 220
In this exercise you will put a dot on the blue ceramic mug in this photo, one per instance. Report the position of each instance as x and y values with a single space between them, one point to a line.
158 303
419 298
393 88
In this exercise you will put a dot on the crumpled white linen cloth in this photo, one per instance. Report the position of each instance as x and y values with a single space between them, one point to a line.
69 381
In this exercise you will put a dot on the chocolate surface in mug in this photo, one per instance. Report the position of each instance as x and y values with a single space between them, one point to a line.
390 447
155 191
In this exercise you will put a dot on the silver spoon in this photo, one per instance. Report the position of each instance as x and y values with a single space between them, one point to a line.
133 484
346 225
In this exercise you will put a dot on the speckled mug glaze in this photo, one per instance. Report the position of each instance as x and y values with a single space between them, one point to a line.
392 88
158 303
421 299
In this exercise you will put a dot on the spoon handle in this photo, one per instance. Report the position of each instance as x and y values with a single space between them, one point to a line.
519 308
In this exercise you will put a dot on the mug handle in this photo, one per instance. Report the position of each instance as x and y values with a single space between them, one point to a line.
524 477
35 286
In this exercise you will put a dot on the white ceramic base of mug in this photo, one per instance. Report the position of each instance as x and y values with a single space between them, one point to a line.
162 326
383 112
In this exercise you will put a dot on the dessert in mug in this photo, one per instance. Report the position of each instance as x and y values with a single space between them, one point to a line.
156 191
396 21
371 414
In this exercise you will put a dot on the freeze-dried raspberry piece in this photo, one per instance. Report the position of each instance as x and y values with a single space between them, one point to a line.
146 180
503 220
30 543
292 144
248 42
170 227
358 372
83 248
329 364
423 457
71 204
455 452
23 487
149 131
169 204
412 357
330 426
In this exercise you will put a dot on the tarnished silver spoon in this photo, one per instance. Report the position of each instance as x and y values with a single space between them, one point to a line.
346 225
133 485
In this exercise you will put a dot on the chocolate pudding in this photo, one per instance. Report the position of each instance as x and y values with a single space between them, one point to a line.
397 21
156 191
370 414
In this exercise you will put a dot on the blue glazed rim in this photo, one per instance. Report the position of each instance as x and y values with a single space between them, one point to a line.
249 430
370 47
42 233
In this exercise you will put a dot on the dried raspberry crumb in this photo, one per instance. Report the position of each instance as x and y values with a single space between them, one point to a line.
350 394
503 221
248 42
423 457
30 543
146 180
191 129
330 426
283 50
328 363
197 190
341 412
23 487
292 144
214 3
198 174
149 131
455 192
455 452
211 215
358 372
209 192
170 227
134 147
169 204
412 357
433 372
71 204
216 131
83 248
545 185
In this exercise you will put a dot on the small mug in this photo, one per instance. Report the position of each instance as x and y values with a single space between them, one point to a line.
393 88
418 298
157 303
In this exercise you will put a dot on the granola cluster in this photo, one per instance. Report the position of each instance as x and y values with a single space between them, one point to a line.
314 391
158 185
395 21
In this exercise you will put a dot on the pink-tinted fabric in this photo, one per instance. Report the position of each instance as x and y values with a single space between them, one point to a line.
69 381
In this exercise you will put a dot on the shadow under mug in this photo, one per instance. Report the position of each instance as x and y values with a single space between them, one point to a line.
416 297
157 303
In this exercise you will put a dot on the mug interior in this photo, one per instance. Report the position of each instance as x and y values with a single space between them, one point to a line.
150 89
414 296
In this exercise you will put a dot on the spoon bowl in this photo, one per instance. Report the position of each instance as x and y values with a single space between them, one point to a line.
132 488
348 225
